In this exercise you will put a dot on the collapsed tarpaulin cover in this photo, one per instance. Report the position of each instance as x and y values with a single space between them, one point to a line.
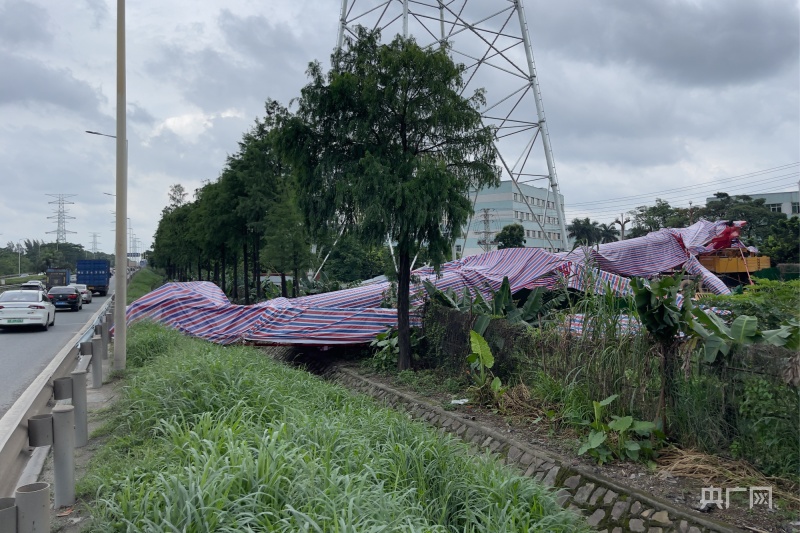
354 316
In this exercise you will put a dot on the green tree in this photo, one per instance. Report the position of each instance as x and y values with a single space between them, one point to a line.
760 219
511 236
386 144
351 261
606 233
584 231
287 246
651 218
781 245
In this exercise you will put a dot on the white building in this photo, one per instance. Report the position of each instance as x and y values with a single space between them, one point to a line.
498 207
787 202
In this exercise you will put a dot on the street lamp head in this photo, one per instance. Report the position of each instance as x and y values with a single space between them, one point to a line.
103 134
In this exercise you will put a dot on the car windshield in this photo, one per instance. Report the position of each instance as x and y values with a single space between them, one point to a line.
62 290
14 296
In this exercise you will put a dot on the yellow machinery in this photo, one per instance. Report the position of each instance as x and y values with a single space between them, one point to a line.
736 263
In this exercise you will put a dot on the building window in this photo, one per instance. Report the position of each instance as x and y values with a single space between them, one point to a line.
775 208
795 208
516 197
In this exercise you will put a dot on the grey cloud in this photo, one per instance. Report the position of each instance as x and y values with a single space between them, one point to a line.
99 10
137 113
709 43
23 24
29 81
268 60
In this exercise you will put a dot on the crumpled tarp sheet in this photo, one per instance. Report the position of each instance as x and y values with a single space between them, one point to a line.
354 316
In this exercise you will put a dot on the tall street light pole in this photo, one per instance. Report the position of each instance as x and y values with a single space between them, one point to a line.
120 251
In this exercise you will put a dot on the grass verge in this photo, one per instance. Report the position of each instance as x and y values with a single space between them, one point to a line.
208 438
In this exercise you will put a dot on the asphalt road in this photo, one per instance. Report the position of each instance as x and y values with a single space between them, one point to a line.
24 353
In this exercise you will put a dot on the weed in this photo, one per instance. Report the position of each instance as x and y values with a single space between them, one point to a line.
622 438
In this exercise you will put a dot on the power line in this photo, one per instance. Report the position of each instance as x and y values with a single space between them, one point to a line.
699 185
741 190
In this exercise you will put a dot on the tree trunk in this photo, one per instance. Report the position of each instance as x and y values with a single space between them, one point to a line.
295 283
216 271
199 270
245 273
403 326
235 293
256 266
284 293
223 267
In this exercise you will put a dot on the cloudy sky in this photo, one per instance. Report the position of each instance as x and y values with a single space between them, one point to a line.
674 99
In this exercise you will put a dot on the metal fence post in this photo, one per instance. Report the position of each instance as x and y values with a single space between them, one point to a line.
8 515
79 403
33 508
64 455
103 326
97 362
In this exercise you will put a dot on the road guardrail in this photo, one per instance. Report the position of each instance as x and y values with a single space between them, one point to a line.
37 399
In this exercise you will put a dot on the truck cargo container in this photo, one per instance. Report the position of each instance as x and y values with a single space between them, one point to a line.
57 277
95 274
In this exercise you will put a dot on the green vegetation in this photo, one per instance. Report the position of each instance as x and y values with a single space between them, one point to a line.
142 282
33 256
208 438
688 372
622 438
386 145
511 236
771 302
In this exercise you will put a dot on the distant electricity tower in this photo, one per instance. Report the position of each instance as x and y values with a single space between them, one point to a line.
61 216
94 243
491 39
487 234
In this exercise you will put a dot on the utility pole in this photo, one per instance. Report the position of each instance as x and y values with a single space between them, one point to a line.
622 220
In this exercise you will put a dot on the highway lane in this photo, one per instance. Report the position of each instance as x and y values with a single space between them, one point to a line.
24 353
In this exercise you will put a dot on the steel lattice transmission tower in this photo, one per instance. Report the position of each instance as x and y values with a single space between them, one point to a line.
94 243
487 234
491 39
61 216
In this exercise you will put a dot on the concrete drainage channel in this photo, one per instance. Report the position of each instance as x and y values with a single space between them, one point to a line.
607 505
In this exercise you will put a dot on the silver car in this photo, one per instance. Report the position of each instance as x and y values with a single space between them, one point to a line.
86 294
26 308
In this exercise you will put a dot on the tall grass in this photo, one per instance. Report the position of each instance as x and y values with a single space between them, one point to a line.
222 439
142 282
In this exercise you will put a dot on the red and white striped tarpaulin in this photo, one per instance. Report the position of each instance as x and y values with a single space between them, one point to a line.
354 316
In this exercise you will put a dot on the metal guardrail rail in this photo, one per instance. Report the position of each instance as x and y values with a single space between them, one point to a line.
14 449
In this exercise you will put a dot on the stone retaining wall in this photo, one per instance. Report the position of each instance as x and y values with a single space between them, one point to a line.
607 506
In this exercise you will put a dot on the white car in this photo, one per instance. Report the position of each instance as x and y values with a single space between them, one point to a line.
33 285
86 294
25 308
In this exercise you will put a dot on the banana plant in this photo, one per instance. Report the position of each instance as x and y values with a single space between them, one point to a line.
486 387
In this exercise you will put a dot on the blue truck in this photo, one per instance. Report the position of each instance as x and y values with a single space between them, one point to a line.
95 274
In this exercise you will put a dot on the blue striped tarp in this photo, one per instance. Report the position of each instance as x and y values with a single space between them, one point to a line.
354 316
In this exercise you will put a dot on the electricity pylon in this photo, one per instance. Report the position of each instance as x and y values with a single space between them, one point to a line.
61 216
491 39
